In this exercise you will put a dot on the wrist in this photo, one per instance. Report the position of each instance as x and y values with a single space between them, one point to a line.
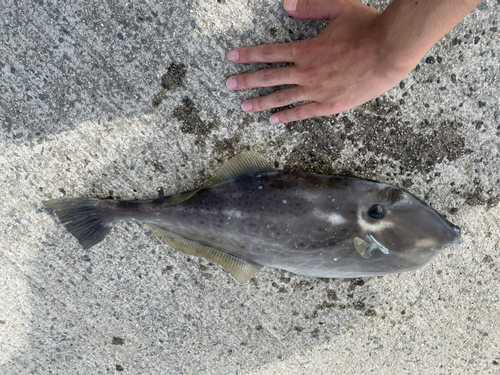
401 47
410 28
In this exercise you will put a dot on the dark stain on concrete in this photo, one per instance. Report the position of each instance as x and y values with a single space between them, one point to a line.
476 196
188 114
380 139
416 148
170 80
332 295
353 283
359 305
118 341
326 305
320 146
487 259
315 332
174 75
229 147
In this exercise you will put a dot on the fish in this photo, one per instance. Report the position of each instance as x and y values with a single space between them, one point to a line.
248 216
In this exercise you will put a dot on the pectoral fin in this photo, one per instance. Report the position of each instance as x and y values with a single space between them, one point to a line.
362 246
241 270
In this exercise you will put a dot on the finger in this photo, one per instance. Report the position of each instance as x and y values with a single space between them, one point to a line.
266 53
274 100
262 78
313 9
302 112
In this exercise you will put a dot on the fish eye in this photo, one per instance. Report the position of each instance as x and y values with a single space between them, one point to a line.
376 212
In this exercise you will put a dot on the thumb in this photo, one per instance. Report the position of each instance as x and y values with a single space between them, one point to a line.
324 10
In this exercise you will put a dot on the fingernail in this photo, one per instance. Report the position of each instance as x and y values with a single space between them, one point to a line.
234 55
247 106
274 119
291 5
231 83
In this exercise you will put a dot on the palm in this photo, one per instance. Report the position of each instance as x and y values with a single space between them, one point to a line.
340 68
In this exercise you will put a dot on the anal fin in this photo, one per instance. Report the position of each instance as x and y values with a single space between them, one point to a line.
241 270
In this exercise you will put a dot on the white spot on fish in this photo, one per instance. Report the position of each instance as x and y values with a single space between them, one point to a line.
336 219
283 201
259 187
333 200
332 218
233 213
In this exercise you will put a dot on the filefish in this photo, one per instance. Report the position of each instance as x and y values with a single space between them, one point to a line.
248 216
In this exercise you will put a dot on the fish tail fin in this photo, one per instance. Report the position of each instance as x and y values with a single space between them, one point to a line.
81 218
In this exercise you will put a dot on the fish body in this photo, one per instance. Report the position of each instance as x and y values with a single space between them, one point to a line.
252 216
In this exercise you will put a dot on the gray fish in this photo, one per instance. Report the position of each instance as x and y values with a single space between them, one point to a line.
248 216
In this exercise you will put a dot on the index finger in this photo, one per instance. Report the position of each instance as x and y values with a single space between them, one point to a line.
267 53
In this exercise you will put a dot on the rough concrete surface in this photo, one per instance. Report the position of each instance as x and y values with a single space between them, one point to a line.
128 99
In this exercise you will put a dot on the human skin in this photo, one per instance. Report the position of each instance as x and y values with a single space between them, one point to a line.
360 55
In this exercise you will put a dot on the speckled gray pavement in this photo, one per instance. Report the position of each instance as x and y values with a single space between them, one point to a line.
128 99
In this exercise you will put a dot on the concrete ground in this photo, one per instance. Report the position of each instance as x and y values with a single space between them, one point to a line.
128 99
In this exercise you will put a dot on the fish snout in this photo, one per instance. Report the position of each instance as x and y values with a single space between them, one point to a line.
458 235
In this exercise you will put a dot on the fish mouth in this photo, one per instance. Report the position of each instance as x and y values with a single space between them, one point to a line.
458 235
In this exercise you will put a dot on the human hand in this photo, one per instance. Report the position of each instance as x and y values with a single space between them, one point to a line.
342 67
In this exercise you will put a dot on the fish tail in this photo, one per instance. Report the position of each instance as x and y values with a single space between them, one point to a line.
82 219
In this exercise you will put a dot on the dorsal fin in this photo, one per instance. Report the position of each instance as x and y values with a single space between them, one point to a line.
242 164
241 270
181 197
